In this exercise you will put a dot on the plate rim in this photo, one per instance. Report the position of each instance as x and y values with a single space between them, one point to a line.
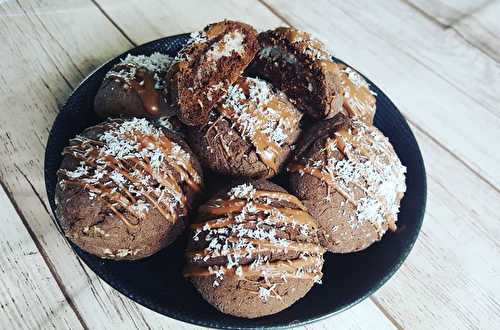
103 275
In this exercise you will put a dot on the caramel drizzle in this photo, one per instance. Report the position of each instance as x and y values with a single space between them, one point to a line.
280 196
87 152
266 148
290 216
239 203
325 177
260 246
344 138
144 85
286 268
117 197
186 169
364 102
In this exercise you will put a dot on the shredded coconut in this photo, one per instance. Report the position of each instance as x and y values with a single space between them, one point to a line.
231 43
156 63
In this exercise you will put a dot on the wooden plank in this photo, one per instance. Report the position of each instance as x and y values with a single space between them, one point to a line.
452 276
447 12
441 83
47 48
29 295
159 19
482 29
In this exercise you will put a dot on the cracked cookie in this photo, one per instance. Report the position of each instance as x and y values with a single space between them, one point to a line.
210 62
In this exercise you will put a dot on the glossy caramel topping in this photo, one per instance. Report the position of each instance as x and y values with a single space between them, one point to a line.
144 75
282 215
133 167
309 268
267 119
359 100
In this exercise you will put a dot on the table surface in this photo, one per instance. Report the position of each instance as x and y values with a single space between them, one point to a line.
437 60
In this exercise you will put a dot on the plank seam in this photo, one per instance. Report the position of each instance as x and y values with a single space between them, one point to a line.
275 13
411 121
386 313
114 23
44 255
34 191
451 25
472 12
45 50
423 64
436 141
425 14
470 43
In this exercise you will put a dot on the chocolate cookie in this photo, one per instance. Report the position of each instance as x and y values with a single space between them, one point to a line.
134 87
210 62
125 188
253 250
301 67
250 133
359 99
352 182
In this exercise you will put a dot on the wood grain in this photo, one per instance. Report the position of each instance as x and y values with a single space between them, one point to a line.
448 278
47 48
443 85
159 19
29 296
448 12
452 274
482 29
432 75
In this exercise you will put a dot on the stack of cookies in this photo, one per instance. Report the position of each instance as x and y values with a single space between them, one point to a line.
249 107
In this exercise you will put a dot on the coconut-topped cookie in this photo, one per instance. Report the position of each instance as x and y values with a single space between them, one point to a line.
210 62
352 182
125 188
302 67
359 99
250 133
253 250
134 87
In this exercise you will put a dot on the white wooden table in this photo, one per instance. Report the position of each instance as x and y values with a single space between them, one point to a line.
438 61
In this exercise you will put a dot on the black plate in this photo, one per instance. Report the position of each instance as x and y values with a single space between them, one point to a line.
156 282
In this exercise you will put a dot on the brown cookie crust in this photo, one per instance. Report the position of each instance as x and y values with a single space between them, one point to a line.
253 244
125 188
352 182
250 133
241 297
210 62
134 87
301 67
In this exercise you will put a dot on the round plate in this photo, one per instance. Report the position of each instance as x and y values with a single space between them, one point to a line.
156 282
